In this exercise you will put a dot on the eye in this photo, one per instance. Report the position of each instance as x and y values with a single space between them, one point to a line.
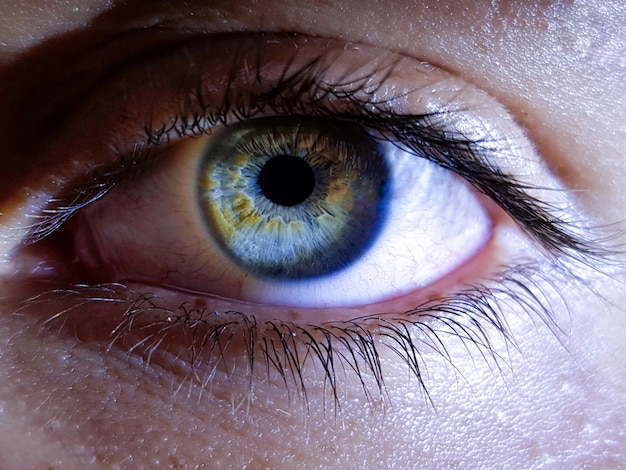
303 212
411 184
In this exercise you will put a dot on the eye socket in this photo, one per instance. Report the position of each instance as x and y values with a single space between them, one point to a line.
433 131
128 211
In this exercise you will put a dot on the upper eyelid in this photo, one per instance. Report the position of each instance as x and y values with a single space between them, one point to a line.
539 220
455 152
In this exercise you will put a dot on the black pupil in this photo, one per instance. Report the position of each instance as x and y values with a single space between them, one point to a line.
287 180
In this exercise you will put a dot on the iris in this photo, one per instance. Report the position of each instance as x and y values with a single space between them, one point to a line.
293 198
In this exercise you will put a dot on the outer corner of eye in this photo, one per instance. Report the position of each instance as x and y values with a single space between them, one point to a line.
297 212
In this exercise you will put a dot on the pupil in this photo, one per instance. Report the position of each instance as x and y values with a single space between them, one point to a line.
287 180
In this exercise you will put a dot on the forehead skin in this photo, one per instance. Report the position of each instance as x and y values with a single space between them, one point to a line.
560 69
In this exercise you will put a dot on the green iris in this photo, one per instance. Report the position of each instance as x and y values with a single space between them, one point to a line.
293 198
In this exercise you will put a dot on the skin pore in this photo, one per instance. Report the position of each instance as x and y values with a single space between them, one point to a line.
550 394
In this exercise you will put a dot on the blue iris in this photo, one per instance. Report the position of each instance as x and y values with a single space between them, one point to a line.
293 198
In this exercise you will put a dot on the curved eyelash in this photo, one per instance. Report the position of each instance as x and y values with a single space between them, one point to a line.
303 91
279 352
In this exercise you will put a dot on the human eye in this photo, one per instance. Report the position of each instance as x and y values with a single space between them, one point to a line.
443 213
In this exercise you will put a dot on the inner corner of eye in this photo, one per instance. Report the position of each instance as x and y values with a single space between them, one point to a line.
291 212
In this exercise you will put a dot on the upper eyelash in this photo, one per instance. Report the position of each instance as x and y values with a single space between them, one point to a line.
301 92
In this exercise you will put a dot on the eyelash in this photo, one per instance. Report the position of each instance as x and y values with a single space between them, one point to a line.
472 315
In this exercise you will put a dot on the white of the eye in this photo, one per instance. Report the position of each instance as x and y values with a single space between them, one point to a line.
435 224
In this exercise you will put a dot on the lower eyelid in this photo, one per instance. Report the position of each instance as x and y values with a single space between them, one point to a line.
178 334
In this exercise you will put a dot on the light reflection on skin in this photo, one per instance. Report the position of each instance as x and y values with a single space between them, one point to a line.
558 67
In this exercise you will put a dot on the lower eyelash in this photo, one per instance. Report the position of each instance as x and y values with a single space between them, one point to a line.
236 344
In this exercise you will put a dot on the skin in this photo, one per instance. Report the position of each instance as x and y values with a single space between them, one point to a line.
556 400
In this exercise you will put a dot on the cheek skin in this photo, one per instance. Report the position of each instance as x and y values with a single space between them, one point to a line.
544 401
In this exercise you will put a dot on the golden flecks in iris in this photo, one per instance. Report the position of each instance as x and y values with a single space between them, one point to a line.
222 221
240 159
296 226
253 218
332 223
339 194
273 225
208 185
233 175
244 212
